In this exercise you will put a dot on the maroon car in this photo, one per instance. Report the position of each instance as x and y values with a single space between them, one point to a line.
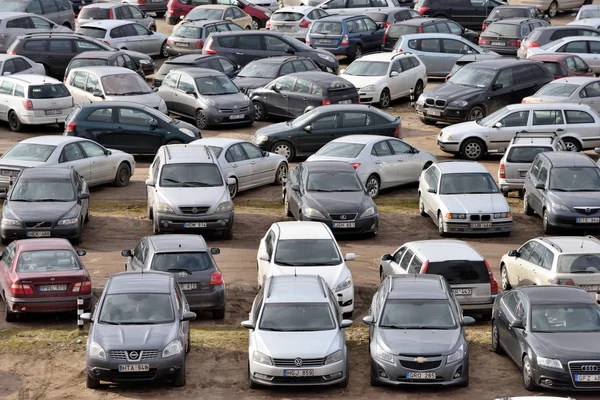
563 65
43 276
179 8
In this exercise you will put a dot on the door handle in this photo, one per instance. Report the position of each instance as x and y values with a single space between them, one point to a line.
400 160
305 99
253 162
560 130
234 165
377 162
239 53
174 94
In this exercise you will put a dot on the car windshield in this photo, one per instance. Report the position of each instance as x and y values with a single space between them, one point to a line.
215 85
97 33
575 179
565 318
286 16
88 62
468 183
199 13
307 253
551 44
367 68
525 154
333 182
501 29
557 89
32 190
460 271
501 12
29 152
188 32
190 175
473 77
124 85
296 317
48 261
455 68
578 264
592 13
489 120
48 91
260 70
342 150
327 28
136 309
304 119
192 261
417 314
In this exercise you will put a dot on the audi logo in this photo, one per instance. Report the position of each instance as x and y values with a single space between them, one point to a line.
590 368
298 362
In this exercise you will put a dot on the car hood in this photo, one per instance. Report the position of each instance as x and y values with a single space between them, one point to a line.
568 345
39 211
305 344
471 128
360 81
274 129
575 199
333 274
251 83
134 337
451 92
149 99
192 196
419 341
475 203
338 203
233 101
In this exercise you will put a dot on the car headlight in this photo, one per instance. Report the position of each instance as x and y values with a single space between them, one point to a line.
421 99
503 215
246 98
456 216
187 132
343 285
549 362
334 357
68 221
172 349
560 207
224 206
164 208
459 103
11 222
145 62
211 102
262 138
368 212
444 135
457 355
96 351
326 57
368 88
385 356
312 213
261 358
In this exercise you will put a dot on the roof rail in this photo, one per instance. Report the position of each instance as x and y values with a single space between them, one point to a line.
408 53
557 247
269 281
536 134
168 152
322 286
54 33
594 238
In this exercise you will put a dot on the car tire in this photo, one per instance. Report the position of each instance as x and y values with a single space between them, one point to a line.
440 222
201 119
428 121
504 278
528 381
14 123
476 113
472 149
418 90
553 9
227 234
357 53
259 111
286 206
281 174
255 24
155 227
123 175
5 241
548 228
374 381
9 316
285 149
344 384
90 382
527 210
233 189
163 50
422 206
572 145
496 348
171 20
385 99
179 380
189 342
373 180
87 217
218 314
381 274
347 315
160 14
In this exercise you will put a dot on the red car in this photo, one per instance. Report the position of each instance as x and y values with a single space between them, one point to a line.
179 8
563 65
43 276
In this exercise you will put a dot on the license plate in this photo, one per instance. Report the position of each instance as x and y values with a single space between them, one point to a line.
345 102
522 174
325 41
188 286
433 112
237 116
8 172
53 112
38 234
588 220
53 288
134 367
182 44
420 375
344 225
298 372
194 225
591 288
498 44
481 225
284 28
587 378
462 292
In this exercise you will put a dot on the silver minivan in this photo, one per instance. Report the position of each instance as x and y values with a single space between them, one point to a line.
13 24
58 11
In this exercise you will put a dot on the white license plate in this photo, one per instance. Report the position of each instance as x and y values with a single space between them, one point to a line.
498 43
237 116
134 367
591 288
194 225
182 44
522 174
325 41
481 225
53 288
462 292
8 172
420 375
38 234
344 224
587 378
53 112
345 102
431 111
284 28
188 286
588 220
298 372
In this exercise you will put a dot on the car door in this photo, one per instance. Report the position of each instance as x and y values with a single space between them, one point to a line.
183 102
72 156
250 47
137 131
148 42
589 94
374 35
409 163
277 96
263 170
537 197
299 97
102 167
60 53
453 49
582 123
133 40
357 122
431 199
77 87
6 262
500 92
539 272
548 121
295 196
323 129
399 83
167 90
520 274
241 164
136 15
100 125
503 131
137 260
392 267
386 163
430 52
22 66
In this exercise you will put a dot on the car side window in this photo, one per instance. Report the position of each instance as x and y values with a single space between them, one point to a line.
397 257
325 122
594 47
71 152
8 255
358 3
235 153
82 45
591 90
19 92
22 23
251 42
523 75
415 265
526 250
256 306
371 26
156 169
577 46
228 13
135 13
355 119
186 83
429 28
298 66
400 147
381 149
171 80
274 44
40 23
505 78
543 175
429 177
6 87
302 86
252 151
435 178
131 116
140 29
284 84
49 6
286 68
93 84
547 117
406 259
525 29
177 297
541 256
64 5
406 64
580 65
226 65
100 115
510 302
517 118
91 149
454 28
430 45
35 45
20 64
60 46
138 252
78 80
578 117
535 168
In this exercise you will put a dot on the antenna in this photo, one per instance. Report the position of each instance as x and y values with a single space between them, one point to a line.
582 239
295 275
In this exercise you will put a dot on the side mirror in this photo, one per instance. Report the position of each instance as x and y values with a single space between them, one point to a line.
6 73
466 321
228 19
98 94
248 324
275 88
3 196
597 150
504 190
498 125
155 88
497 86
380 26
215 250
432 190
263 256
350 257
290 50
107 152
540 186
386 257
181 16
394 73
517 324
84 196
86 317
342 71
513 253
230 181
150 33
149 182
325 6
346 323
81 253
369 320
191 92
295 187
188 316
126 253
308 128
589 69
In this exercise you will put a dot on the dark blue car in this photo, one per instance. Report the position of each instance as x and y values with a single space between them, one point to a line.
346 35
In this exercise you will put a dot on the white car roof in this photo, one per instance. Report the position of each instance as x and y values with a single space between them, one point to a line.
296 289
4 56
32 79
362 139
544 106
440 250
585 21
574 244
303 230
52 140
219 142
577 80
108 23
388 56
104 5
183 153
104 70
13 14
301 9
458 167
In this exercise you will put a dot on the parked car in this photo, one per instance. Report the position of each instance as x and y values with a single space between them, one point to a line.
190 261
104 58
462 197
153 306
56 196
468 59
296 335
180 8
306 248
511 11
143 129
356 7
187 192
127 35
306 134
585 48
219 12
43 276
481 88
33 100
11 65
418 307
380 162
542 36
262 71
119 11
468 13
564 65
438 51
505 36
58 11
528 323
588 11
243 47
94 163
577 90
551 7
294 21
206 61
206 95
425 25
383 77
190 37
563 189
158 7
387 17
14 24
247 164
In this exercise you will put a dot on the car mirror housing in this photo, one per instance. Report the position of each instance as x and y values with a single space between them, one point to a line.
81 253
540 186
350 257
346 323
290 50
248 324
432 190
393 74
308 128
191 92
517 324
498 125
597 150
263 256
126 253
188 316
386 257
497 86
84 196
215 250
513 253
369 320
86 317
230 181
295 187
98 94
466 321
149 182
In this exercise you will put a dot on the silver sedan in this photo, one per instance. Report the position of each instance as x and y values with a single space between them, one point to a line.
10 65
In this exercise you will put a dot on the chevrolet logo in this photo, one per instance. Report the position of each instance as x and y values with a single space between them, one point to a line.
420 360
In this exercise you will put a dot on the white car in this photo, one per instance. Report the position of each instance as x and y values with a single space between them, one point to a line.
90 84
592 22
588 11
305 247
95 163
247 164
586 47
27 99
294 21
575 89
381 162
462 197
14 64
383 77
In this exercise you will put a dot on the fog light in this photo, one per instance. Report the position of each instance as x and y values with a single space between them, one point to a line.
458 373
223 223
171 370
166 224
96 372
261 376
336 375
382 373
373 226
547 382
23 308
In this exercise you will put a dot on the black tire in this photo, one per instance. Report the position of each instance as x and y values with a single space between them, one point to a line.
385 99
357 53
259 111
90 382
527 210
228 233
374 381
233 189
344 384
256 24
427 121
251 383
496 348
123 175
161 14
179 380
553 9
473 149
476 113
381 275
440 223
201 119
528 381
14 123
163 50
373 180
189 342
418 90
347 315
67 25
281 173
285 149
572 145
171 20
286 206
218 314
87 217
505 282
422 206
548 228
5 241
9 316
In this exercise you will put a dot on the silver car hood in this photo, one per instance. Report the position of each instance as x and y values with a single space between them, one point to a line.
134 337
333 274
418 342
305 344
149 99
194 196
475 203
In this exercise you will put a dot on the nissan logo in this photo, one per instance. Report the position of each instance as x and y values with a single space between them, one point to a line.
134 355
298 362
343 216
589 368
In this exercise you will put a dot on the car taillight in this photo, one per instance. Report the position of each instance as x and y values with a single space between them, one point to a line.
532 44
422 10
326 102
169 42
483 41
28 104
216 278
70 128
110 14
355 165
84 287
483 26
493 283
307 41
18 289
142 1
397 131
200 44
423 269
400 50
502 171
107 42
208 49
516 43
420 29
358 99
561 282
385 33
13 53
345 41
304 23
268 24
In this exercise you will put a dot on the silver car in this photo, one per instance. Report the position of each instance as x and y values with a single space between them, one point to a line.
115 11
58 11
295 21
158 7
574 89
296 334
13 64
577 45
13 24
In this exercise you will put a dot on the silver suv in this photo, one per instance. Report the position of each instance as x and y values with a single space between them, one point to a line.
296 334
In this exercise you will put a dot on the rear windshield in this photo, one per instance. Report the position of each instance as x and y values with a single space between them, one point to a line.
167 67
260 70
97 33
88 62
216 150
591 13
525 154
343 150
210 14
198 261
189 32
327 28
498 13
94 13
460 271
399 30
554 68
286 16
191 175
367 68
500 29
29 152
48 261
340 85
557 89
48 91
579 263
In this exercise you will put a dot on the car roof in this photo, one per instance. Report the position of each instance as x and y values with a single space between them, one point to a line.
551 56
4 56
501 63
303 230
278 59
514 6
553 294
104 5
177 243
412 36
218 141
578 80
572 244
213 6
201 23
418 21
46 173
53 140
136 282
439 250
12 14
32 79
44 244
301 9
362 139
317 76
482 57
189 58
105 54
533 140
387 56
197 72
327 166
349 107
107 23
568 159
417 286
292 289
105 104
105 70
512 21
544 106
458 167
563 27
185 153
337 18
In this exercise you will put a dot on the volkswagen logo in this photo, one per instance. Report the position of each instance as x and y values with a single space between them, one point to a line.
194 210
298 362
133 355
183 274
589 368
343 216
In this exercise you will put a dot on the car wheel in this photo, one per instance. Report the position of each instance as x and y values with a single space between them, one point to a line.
476 113
548 228
473 149
373 182
418 91
228 233
553 9
281 174
14 123
284 149
201 119
286 206
179 380
259 111
504 278
381 275
155 227
385 99
441 230
218 314
572 145
163 50
496 348
528 381
374 381
9 316
233 189
526 207
248 28
123 175
255 24
189 341
357 53
422 206
90 382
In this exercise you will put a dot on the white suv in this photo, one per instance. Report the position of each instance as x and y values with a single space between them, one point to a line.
187 192
301 248
383 77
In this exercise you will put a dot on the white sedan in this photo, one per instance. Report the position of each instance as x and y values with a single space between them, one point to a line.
96 164
380 161
247 164
577 45
575 89
14 64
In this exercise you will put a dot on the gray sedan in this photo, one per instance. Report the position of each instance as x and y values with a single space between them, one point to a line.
12 64
13 24
117 11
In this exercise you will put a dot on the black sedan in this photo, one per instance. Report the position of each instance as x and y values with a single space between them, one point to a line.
45 202
330 192
552 333
306 134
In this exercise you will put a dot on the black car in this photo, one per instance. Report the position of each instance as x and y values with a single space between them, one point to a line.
105 58
468 13
306 134
552 333
503 12
189 37
243 47
425 25
207 61
481 88
292 95
260 72
386 17
471 58
130 127
505 36
330 192
45 202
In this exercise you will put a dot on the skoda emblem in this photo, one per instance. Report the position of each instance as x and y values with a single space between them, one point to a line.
343 216
133 355
183 274
298 362
589 368
53 279
420 360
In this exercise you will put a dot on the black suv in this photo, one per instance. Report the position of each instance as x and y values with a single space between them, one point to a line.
207 61
243 47
468 13
480 88
425 25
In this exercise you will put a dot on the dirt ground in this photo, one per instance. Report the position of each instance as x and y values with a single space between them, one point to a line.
40 359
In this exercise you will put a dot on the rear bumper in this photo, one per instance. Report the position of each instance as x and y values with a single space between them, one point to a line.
48 305
512 184
478 308
175 51
214 300
341 50
504 50
28 118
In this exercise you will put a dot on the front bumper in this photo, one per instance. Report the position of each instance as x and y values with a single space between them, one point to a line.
361 225
346 299
212 300
568 220
63 231
223 117
341 50
274 376
214 222
371 97
478 308
160 369
564 379
446 114
455 373
48 304
449 147
466 227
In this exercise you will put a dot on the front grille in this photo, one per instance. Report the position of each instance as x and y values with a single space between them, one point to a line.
587 210
420 366
298 379
343 217
194 210
477 217
584 368
291 362
149 354
233 110
42 224
485 217
474 217
118 354
430 101
142 355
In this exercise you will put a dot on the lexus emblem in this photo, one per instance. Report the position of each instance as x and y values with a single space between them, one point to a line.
343 216
194 210
183 274
420 360
133 355
589 368
298 362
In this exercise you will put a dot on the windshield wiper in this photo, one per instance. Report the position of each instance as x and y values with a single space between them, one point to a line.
193 183
109 322
24 200
320 190
180 270
49 200
273 329
173 180
493 32
583 271
285 264
393 327
130 93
